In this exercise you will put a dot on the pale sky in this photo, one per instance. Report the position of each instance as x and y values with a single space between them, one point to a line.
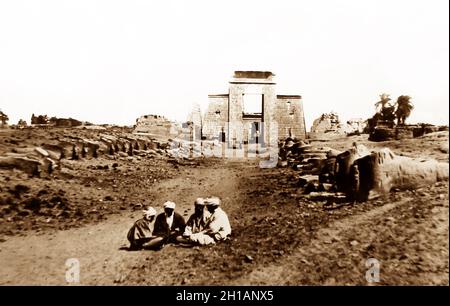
112 61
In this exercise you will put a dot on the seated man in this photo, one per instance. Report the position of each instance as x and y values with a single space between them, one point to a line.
217 225
141 232
168 225
196 222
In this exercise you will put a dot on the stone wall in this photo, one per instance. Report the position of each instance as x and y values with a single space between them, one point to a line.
290 117
216 116
239 123
156 125
279 116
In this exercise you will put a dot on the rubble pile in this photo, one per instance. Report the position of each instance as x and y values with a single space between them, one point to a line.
399 132
43 159
310 161
182 149
326 123
355 126
300 155
331 124
156 126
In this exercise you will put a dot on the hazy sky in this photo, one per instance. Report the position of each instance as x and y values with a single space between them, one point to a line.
112 61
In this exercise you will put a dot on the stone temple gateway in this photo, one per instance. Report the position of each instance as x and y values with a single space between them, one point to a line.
252 112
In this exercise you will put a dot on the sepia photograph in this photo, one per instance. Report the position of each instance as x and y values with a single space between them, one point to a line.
208 145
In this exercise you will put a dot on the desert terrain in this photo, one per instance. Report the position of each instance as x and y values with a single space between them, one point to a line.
84 208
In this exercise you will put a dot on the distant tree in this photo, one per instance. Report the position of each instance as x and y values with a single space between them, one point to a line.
3 118
385 113
404 108
22 123
383 103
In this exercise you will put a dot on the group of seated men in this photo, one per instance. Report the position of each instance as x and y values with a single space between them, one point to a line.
205 226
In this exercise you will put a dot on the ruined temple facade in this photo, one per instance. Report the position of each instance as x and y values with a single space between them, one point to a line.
155 125
252 112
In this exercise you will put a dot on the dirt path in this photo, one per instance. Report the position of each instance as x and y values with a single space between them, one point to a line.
40 259
407 253
286 271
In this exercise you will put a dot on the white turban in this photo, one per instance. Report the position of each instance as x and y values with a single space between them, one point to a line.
199 201
213 201
169 204
149 212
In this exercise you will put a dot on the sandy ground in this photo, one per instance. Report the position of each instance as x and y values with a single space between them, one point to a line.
279 237
41 259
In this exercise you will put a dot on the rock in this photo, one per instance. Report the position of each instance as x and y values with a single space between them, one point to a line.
328 171
305 179
333 153
443 148
354 243
321 196
41 151
325 187
25 164
75 153
326 123
248 258
316 162
311 187
123 154
343 166
282 163
48 165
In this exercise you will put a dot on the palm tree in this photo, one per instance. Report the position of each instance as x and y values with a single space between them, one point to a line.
384 111
383 103
3 118
404 108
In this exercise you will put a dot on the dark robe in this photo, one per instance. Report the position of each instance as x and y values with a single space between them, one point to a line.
162 229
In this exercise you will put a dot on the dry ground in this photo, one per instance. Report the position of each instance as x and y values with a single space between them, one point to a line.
279 237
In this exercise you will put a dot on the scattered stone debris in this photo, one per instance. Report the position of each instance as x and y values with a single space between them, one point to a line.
155 125
44 159
399 132
326 123
304 157
330 124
